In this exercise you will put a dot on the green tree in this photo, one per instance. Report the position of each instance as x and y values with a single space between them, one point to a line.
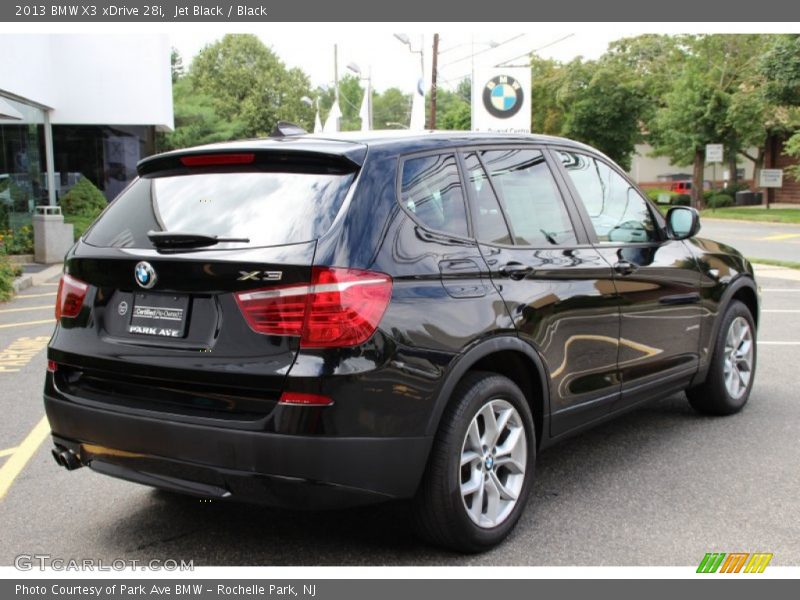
453 107
711 101
603 106
350 96
389 108
547 113
249 83
197 120
176 65
780 69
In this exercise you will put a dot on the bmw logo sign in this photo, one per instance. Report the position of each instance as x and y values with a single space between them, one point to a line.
145 275
502 96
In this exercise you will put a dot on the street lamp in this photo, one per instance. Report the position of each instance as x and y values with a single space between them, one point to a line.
353 67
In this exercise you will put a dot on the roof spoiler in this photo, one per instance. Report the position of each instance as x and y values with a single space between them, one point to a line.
278 160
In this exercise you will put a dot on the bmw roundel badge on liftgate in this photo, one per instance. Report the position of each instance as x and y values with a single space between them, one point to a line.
355 318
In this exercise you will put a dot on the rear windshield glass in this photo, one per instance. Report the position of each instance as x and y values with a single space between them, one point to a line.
268 208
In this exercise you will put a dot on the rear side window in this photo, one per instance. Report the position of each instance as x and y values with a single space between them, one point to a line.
535 209
490 225
268 208
431 191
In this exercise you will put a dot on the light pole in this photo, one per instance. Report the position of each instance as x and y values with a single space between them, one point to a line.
368 93
402 37
417 119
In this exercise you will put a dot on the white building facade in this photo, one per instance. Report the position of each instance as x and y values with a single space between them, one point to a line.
75 106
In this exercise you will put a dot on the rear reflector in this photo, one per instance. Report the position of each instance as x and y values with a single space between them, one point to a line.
70 297
212 160
52 366
340 307
304 399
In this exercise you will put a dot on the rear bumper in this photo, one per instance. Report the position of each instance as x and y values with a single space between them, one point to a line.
268 468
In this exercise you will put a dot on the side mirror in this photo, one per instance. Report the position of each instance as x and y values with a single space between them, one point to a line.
683 222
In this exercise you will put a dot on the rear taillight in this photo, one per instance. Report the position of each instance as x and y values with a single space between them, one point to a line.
340 307
70 297
52 366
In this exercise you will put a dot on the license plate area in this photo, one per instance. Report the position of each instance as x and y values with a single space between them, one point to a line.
160 315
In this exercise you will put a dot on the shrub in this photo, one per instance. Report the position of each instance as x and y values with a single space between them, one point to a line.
654 194
7 274
732 189
3 216
719 201
19 241
681 200
83 199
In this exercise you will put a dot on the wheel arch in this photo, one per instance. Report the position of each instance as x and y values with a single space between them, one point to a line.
744 289
509 356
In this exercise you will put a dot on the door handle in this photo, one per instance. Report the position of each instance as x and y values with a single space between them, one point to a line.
624 267
515 270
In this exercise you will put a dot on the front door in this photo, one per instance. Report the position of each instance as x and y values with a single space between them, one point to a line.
556 286
657 279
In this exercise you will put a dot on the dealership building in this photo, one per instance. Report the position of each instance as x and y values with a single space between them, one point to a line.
75 106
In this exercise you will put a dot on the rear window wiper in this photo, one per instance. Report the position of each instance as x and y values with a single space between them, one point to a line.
179 239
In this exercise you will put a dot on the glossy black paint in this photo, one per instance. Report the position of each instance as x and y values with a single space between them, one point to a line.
583 338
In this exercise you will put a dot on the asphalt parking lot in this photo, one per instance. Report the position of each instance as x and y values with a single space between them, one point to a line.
660 486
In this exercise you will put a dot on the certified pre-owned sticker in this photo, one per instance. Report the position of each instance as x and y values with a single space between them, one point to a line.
158 313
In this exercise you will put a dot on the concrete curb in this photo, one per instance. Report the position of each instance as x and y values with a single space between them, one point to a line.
776 272
48 273
23 282
748 221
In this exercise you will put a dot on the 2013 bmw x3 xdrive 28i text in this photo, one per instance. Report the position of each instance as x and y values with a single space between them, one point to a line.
316 322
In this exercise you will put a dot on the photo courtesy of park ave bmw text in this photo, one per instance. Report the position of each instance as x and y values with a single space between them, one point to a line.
337 300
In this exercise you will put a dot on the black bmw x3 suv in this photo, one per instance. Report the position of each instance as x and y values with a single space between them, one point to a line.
315 322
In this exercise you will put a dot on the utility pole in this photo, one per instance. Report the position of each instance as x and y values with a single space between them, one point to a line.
433 79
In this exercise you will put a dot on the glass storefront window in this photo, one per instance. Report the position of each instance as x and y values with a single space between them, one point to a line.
22 163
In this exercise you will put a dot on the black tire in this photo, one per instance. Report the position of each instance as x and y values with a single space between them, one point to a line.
439 511
712 396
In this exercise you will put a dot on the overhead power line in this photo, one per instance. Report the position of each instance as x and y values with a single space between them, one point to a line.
553 43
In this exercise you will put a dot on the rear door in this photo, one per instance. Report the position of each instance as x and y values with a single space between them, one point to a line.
556 286
657 278
189 330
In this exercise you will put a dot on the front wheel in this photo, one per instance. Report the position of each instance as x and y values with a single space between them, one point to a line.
481 466
733 364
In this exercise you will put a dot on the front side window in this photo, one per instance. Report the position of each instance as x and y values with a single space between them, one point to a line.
431 191
533 204
618 212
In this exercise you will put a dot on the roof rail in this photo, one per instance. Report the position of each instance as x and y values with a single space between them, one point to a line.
286 129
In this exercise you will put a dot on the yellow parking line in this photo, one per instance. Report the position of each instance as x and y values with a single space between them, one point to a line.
7 451
780 236
27 323
8 310
36 295
23 453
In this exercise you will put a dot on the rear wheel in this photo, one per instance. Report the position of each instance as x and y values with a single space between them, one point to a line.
730 374
481 467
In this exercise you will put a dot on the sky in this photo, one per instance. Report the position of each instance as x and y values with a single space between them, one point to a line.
391 62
